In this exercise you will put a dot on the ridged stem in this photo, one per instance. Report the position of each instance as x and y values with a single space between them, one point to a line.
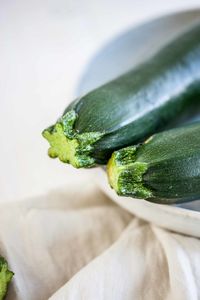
125 174
68 145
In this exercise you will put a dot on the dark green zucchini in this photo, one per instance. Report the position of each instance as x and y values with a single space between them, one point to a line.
164 169
130 108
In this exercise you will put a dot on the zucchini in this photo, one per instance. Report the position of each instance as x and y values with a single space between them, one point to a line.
164 169
130 108
5 277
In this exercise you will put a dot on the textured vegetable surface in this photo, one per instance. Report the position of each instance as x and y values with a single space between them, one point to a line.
130 108
164 169
5 277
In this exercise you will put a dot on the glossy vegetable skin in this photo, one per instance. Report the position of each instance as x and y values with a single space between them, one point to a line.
130 108
164 169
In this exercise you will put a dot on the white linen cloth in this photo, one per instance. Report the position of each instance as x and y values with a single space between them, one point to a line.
77 244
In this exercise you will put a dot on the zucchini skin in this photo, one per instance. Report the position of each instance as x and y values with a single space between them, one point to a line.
164 169
130 108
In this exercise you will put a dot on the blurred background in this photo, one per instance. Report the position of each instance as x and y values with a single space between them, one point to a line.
45 47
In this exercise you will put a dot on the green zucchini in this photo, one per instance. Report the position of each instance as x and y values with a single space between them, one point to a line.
128 109
164 169
5 277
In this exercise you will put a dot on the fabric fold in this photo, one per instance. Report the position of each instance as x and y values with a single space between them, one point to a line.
144 263
76 243
48 239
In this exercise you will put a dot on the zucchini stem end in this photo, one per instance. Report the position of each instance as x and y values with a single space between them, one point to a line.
125 174
68 145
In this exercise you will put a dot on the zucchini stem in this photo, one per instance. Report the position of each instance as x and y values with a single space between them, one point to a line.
68 145
125 175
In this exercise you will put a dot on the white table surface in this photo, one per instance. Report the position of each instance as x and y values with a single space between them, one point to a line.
44 49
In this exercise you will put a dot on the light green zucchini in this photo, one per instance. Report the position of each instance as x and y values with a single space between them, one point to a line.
5 277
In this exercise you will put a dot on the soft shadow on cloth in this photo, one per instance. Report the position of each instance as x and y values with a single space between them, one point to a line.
75 243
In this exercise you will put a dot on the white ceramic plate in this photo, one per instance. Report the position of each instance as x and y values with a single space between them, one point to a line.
117 57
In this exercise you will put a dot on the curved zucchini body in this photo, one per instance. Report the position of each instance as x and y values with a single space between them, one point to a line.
128 109
164 169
